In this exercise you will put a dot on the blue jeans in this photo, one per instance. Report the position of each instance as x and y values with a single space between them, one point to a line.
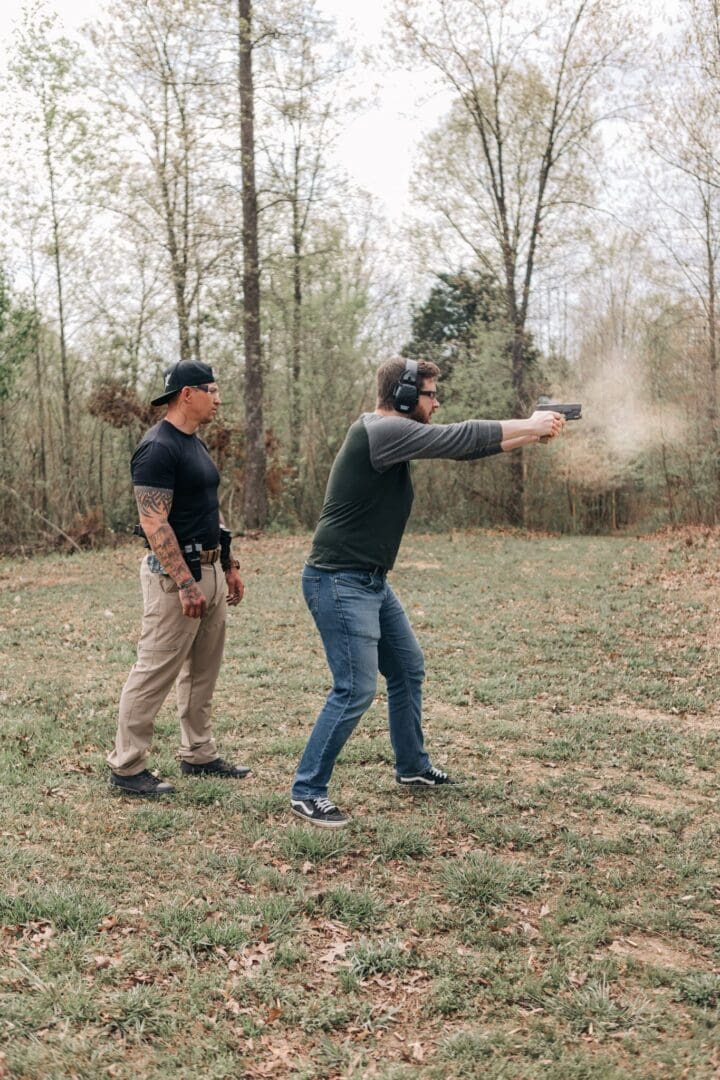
364 629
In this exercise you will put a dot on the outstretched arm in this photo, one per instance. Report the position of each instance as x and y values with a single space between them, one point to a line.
396 438
154 507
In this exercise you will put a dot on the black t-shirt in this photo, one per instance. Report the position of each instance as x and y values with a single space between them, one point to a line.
170 459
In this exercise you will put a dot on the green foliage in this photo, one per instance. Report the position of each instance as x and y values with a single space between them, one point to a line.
483 881
19 329
702 989
443 325
355 907
594 1007
305 842
140 1013
379 958
397 841
63 907
462 327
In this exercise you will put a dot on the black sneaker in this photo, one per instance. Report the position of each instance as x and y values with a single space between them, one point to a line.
430 778
143 784
218 767
319 812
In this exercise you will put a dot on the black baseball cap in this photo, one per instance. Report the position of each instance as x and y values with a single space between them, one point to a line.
184 373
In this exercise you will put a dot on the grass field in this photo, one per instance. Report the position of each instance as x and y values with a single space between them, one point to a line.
555 915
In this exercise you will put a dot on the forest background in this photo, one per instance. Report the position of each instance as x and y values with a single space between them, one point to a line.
171 188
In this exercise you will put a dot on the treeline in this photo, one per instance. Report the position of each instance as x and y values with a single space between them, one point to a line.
170 190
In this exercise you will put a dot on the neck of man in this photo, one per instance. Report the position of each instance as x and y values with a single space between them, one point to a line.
177 416
380 410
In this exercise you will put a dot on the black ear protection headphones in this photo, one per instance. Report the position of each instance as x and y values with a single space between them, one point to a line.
405 393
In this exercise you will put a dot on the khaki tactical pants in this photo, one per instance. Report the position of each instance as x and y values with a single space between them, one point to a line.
172 647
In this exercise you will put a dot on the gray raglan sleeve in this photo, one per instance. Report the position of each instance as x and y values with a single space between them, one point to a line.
395 438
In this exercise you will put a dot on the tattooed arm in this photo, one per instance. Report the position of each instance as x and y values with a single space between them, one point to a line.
154 507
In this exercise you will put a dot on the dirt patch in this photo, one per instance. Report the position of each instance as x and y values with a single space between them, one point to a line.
645 949
700 723
694 723
418 566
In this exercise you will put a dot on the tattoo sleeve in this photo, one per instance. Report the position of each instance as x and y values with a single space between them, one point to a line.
154 505
153 501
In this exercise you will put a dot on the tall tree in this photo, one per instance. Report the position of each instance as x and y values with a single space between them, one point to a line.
444 324
155 75
44 68
507 166
304 101
255 508
683 134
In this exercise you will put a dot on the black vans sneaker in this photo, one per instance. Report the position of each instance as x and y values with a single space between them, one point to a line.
430 778
144 784
320 812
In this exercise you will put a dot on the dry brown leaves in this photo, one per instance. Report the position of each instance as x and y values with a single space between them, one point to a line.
38 934
281 1062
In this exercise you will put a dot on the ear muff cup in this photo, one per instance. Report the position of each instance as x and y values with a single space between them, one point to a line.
405 394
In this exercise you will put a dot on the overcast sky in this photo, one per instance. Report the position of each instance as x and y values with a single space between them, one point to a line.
377 147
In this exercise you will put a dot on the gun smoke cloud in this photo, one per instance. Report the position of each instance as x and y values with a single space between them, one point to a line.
619 423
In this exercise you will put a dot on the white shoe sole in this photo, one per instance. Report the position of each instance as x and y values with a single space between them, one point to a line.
319 822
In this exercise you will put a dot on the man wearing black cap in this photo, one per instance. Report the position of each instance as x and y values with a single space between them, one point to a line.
183 630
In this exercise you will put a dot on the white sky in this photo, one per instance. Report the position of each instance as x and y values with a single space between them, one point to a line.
378 145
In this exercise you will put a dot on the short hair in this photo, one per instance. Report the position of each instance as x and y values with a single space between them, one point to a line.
389 374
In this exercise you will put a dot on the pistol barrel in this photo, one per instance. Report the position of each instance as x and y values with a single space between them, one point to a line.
570 412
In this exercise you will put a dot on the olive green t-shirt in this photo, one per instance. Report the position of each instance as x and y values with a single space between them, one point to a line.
369 493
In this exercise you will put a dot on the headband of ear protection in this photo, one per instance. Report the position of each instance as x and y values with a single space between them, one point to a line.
405 394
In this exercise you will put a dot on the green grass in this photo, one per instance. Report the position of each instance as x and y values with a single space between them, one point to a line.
553 915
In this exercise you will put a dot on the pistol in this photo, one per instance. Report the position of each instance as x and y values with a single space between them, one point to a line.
570 412
192 554
225 542
139 531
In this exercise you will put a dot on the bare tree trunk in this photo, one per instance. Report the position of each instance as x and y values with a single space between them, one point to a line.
100 476
296 347
712 407
64 367
516 508
176 222
38 364
255 465
668 483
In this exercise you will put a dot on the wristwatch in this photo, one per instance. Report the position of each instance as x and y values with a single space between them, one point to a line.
231 564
